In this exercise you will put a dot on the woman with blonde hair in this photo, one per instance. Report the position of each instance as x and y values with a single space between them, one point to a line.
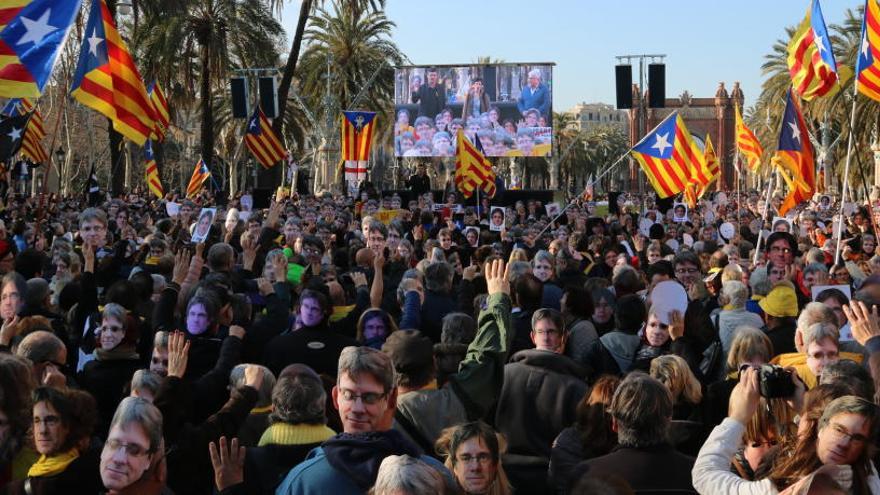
518 254
750 346
473 453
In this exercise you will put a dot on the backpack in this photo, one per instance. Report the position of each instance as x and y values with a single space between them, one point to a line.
713 356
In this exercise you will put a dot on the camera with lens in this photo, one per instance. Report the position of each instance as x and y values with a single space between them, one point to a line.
775 382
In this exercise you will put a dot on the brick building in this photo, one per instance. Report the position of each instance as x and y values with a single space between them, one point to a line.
712 116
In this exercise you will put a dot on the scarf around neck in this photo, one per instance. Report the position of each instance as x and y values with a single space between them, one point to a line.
300 434
52 465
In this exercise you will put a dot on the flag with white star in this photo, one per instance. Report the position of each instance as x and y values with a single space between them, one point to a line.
794 155
11 135
262 141
31 35
810 56
670 158
868 62
108 81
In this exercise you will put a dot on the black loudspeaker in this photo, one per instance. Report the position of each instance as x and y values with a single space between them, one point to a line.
657 85
268 100
262 197
490 80
238 87
623 75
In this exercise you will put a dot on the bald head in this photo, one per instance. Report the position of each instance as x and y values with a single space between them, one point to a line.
43 349
337 294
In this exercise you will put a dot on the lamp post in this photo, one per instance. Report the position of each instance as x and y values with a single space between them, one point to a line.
60 168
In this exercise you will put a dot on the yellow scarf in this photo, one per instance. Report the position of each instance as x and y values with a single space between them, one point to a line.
340 312
49 466
262 410
301 434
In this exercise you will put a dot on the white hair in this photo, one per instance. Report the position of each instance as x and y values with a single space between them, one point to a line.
535 73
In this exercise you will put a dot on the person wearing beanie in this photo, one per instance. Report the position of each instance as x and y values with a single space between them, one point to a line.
780 309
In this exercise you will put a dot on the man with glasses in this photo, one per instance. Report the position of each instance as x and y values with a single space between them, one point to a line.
366 399
688 272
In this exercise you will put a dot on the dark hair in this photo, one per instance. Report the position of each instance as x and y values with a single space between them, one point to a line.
453 437
626 281
851 375
686 257
662 267
77 409
16 384
578 302
788 238
835 294
319 296
630 313
642 406
529 292
29 263
438 277
298 398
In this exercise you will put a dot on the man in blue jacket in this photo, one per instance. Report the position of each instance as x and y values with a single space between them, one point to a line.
348 463
534 95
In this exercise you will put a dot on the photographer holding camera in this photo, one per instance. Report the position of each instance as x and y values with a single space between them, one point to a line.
834 448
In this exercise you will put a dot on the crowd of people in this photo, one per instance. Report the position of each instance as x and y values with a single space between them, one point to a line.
309 347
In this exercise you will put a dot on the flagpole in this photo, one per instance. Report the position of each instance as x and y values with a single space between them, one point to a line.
589 185
736 168
763 217
849 145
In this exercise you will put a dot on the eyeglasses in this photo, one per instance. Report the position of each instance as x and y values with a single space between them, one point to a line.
482 459
50 421
839 432
312 251
131 449
368 398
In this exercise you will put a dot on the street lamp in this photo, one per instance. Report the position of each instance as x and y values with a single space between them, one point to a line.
59 154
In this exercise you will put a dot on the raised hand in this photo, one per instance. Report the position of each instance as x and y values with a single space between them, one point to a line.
253 376
265 286
744 399
88 251
228 463
864 324
676 325
181 266
237 331
178 354
497 278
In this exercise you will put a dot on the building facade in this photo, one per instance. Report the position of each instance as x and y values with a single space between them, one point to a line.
714 117
588 115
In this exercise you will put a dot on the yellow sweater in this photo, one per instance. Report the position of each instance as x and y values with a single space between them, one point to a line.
798 361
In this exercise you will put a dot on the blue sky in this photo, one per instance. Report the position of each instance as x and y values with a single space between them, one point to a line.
705 41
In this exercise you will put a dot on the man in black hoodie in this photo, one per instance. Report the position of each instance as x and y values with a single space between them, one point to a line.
348 463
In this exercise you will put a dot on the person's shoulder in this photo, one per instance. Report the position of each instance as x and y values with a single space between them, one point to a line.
312 475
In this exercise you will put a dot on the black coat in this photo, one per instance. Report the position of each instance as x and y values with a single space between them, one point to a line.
522 327
540 395
81 476
106 380
318 348
652 468
436 306
265 467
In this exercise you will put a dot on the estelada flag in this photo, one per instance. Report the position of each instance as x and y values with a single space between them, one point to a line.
472 169
262 141
107 79
357 135
670 157
794 155
749 146
31 145
154 182
810 57
199 176
868 63
32 33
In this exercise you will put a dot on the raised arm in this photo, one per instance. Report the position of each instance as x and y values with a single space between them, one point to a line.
481 374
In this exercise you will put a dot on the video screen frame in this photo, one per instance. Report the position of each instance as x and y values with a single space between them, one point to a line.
509 106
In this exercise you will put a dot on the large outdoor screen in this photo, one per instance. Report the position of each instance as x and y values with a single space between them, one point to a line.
509 107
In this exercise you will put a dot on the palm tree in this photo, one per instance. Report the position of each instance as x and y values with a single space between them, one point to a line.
306 9
353 48
201 40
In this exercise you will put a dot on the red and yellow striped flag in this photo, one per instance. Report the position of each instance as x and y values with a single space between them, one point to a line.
107 79
31 145
749 147
199 176
357 135
868 61
670 158
262 141
160 111
810 56
154 182
472 169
